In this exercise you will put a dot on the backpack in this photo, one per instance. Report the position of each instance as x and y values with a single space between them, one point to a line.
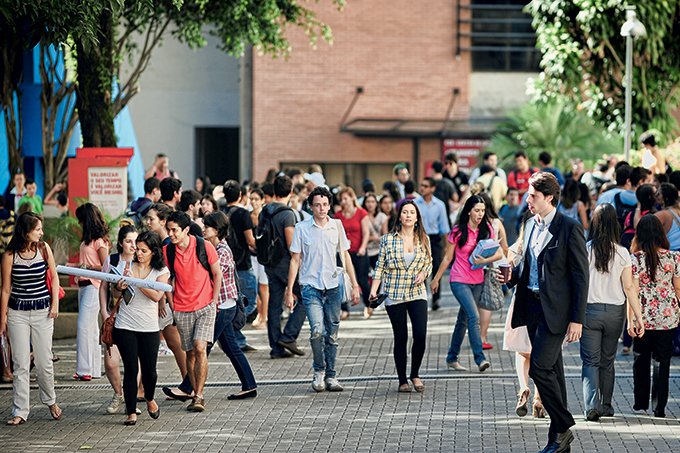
622 210
240 253
137 216
201 254
271 248
629 228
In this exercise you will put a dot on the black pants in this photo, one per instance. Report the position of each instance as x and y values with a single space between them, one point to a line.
138 350
278 280
547 370
417 311
436 247
361 269
657 345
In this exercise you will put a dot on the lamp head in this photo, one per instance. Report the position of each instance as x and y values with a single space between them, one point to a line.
633 27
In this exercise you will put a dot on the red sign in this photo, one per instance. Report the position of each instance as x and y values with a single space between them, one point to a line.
467 150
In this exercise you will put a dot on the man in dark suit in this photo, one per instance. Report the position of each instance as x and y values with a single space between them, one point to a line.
552 291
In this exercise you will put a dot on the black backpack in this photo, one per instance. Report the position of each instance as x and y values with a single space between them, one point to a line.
137 216
622 210
240 254
201 254
271 247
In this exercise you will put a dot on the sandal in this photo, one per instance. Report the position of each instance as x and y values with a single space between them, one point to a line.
404 388
522 408
55 411
537 408
15 421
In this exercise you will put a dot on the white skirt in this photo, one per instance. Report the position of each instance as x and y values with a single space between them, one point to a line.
516 340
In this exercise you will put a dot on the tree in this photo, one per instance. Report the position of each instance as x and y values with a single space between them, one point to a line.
98 35
557 127
584 59
117 24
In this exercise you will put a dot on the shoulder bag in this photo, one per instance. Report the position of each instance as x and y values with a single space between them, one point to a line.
106 335
346 281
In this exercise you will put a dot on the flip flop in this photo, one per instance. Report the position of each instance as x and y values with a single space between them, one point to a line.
16 421
56 412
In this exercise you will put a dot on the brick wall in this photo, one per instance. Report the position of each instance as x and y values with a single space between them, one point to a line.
401 51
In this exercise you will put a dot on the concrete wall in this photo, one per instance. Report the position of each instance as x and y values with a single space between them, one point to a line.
494 93
182 89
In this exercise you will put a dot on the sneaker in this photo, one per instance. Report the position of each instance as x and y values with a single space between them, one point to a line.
117 403
163 350
456 366
318 383
332 385
484 366
196 405
592 415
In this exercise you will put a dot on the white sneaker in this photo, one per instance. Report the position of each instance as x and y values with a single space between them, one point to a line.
333 385
163 350
318 383
117 404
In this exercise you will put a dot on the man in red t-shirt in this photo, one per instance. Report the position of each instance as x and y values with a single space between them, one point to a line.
194 296
519 177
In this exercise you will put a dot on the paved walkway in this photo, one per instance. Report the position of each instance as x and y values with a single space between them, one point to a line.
458 411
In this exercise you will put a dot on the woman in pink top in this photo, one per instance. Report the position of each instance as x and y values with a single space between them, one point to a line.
94 249
466 284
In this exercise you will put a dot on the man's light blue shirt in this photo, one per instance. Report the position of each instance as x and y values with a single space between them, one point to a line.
433 215
627 196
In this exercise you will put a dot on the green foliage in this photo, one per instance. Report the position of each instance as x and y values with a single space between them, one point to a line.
557 127
584 60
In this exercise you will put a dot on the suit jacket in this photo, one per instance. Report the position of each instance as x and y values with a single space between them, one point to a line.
562 275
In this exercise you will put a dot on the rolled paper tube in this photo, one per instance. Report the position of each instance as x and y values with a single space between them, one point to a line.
112 278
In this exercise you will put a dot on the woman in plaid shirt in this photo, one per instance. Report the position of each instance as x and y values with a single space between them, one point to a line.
404 262
215 231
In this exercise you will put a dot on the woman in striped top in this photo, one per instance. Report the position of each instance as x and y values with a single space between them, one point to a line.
27 312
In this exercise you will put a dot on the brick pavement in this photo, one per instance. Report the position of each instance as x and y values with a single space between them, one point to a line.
457 412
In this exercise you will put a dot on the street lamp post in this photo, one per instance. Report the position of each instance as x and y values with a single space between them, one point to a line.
631 29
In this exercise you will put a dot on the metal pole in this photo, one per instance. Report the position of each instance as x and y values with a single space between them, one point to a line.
629 95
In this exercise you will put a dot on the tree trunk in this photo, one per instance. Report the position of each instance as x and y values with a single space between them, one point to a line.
11 68
95 81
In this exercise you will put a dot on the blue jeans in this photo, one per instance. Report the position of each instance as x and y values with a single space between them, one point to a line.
247 282
226 336
468 318
323 313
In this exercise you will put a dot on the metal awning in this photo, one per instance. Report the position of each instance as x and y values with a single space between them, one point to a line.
420 128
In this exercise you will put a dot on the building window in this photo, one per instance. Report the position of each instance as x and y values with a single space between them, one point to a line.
217 153
500 36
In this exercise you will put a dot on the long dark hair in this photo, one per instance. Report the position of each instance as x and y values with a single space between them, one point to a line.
92 222
464 218
368 195
646 196
490 208
649 238
124 231
153 241
604 235
570 193
27 222
219 221
419 232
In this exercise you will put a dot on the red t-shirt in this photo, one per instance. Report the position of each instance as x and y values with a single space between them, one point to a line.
193 286
520 181
352 227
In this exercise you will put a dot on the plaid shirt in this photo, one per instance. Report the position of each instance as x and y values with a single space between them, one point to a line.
397 279
228 289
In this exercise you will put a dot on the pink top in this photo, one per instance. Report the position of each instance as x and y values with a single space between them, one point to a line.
90 257
461 271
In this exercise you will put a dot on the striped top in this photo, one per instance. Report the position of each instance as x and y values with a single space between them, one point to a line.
28 280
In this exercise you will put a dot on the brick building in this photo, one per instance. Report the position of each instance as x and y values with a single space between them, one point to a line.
381 93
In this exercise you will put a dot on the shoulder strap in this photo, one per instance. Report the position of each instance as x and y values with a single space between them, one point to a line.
170 252
114 260
202 254
676 218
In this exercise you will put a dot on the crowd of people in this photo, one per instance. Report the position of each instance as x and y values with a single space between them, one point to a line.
584 254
